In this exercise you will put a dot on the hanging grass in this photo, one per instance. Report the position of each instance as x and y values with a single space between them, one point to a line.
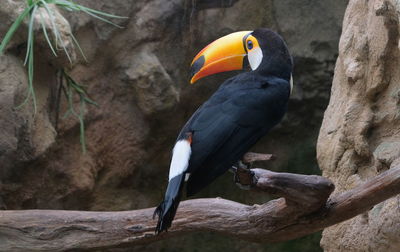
57 44
70 88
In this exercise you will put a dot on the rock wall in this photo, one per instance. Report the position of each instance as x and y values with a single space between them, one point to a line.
139 77
359 137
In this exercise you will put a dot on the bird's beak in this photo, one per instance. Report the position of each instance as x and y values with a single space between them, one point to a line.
224 54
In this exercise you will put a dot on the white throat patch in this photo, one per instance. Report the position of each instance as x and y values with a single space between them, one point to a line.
255 57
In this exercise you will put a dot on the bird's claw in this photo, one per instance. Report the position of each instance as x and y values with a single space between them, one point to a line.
242 175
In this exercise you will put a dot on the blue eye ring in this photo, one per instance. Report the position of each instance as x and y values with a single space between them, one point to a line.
249 44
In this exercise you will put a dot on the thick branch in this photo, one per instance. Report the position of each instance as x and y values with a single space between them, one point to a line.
276 220
310 192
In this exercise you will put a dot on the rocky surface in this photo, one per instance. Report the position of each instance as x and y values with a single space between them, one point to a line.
359 137
139 77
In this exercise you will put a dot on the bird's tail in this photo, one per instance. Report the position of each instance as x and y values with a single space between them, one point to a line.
167 209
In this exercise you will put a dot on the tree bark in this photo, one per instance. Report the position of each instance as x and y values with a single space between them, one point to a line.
305 208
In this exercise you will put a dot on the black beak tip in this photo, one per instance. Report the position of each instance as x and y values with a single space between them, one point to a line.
196 66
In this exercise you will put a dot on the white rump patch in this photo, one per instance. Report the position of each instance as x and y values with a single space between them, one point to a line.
255 57
180 158
291 83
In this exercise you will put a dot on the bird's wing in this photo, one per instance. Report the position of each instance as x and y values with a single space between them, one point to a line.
226 126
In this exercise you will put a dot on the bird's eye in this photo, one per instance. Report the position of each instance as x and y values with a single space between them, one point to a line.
249 44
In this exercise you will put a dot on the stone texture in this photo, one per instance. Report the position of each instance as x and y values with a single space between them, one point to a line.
15 123
359 136
152 85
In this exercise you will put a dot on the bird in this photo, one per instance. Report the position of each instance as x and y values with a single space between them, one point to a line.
242 110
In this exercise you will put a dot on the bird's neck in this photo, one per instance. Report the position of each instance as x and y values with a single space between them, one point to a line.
275 67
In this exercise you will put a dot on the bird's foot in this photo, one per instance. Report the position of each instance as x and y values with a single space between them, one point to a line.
243 176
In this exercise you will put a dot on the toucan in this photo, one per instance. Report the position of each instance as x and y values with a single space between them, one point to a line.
242 110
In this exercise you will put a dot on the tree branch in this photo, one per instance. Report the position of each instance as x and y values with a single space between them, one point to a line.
304 209
251 157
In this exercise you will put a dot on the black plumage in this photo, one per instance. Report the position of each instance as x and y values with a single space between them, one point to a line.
236 116
242 110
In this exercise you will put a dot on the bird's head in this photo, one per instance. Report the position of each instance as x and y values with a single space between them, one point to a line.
264 50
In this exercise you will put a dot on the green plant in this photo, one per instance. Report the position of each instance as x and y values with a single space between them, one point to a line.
71 86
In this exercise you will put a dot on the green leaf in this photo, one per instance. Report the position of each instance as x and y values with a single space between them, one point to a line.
79 47
102 13
67 5
92 12
52 21
31 90
100 18
82 126
55 30
30 76
71 87
66 51
30 3
30 32
29 60
56 33
14 27
90 101
77 88
45 34
75 6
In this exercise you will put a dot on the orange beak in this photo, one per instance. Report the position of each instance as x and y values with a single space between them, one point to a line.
224 54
